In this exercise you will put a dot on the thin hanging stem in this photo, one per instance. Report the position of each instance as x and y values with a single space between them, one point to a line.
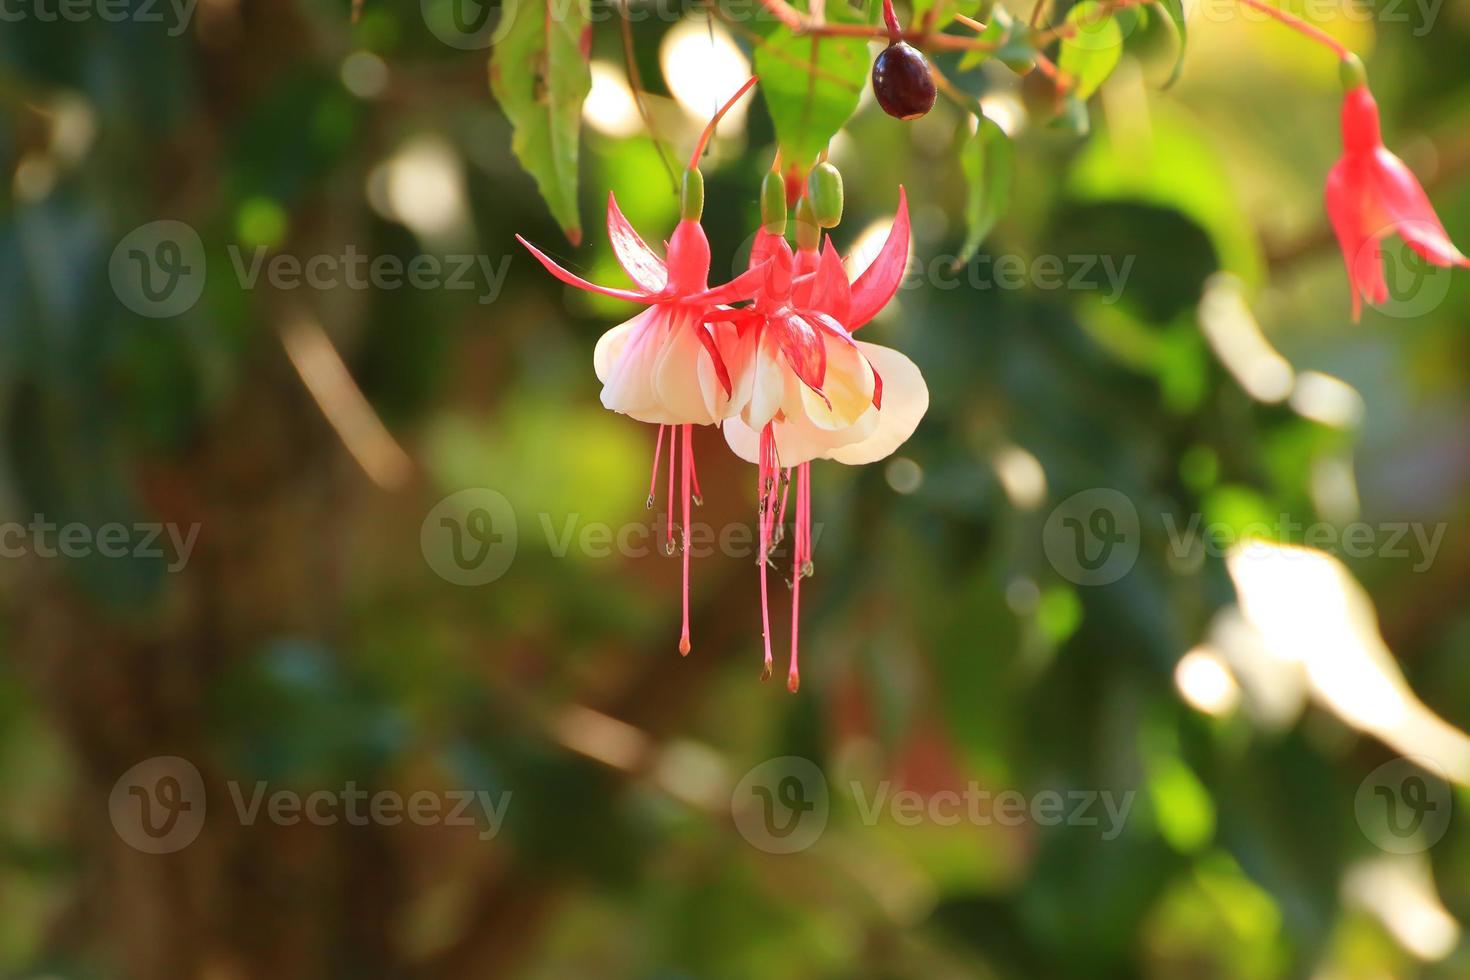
799 23
709 130
1301 27
635 83
890 21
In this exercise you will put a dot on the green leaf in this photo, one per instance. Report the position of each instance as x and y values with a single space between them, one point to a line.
1089 56
1175 10
811 87
539 74
989 165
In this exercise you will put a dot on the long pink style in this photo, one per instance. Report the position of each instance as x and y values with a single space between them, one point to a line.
681 454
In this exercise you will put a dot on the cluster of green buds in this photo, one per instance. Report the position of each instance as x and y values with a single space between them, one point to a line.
820 207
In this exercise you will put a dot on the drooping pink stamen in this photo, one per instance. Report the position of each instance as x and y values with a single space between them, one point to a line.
658 446
766 507
688 470
669 507
778 533
694 475
801 560
806 536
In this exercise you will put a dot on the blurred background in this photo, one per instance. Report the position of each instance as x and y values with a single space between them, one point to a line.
285 546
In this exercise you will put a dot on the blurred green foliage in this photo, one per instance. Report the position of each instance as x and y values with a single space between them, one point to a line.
307 642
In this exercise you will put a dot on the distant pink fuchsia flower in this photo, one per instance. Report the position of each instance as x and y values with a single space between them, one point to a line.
663 366
808 390
1371 195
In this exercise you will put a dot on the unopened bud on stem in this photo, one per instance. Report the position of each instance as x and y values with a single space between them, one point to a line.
824 190
773 203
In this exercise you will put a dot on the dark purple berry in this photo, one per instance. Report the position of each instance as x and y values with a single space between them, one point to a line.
902 82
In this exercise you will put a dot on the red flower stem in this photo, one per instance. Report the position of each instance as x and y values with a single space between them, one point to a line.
1301 27
798 23
890 20
709 130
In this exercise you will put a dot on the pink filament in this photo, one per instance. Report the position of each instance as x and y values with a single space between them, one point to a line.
669 512
781 515
694 474
767 513
658 446
688 470
801 555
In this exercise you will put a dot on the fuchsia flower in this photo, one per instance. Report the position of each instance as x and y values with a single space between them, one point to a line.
663 365
1371 194
783 375
808 390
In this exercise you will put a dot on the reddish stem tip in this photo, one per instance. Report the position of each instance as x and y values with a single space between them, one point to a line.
709 130
683 646
890 20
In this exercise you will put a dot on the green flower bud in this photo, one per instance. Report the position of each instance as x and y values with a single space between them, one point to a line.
1352 72
691 196
773 203
824 190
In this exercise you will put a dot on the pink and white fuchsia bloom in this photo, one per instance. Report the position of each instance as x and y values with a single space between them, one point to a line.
663 365
808 390
783 376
